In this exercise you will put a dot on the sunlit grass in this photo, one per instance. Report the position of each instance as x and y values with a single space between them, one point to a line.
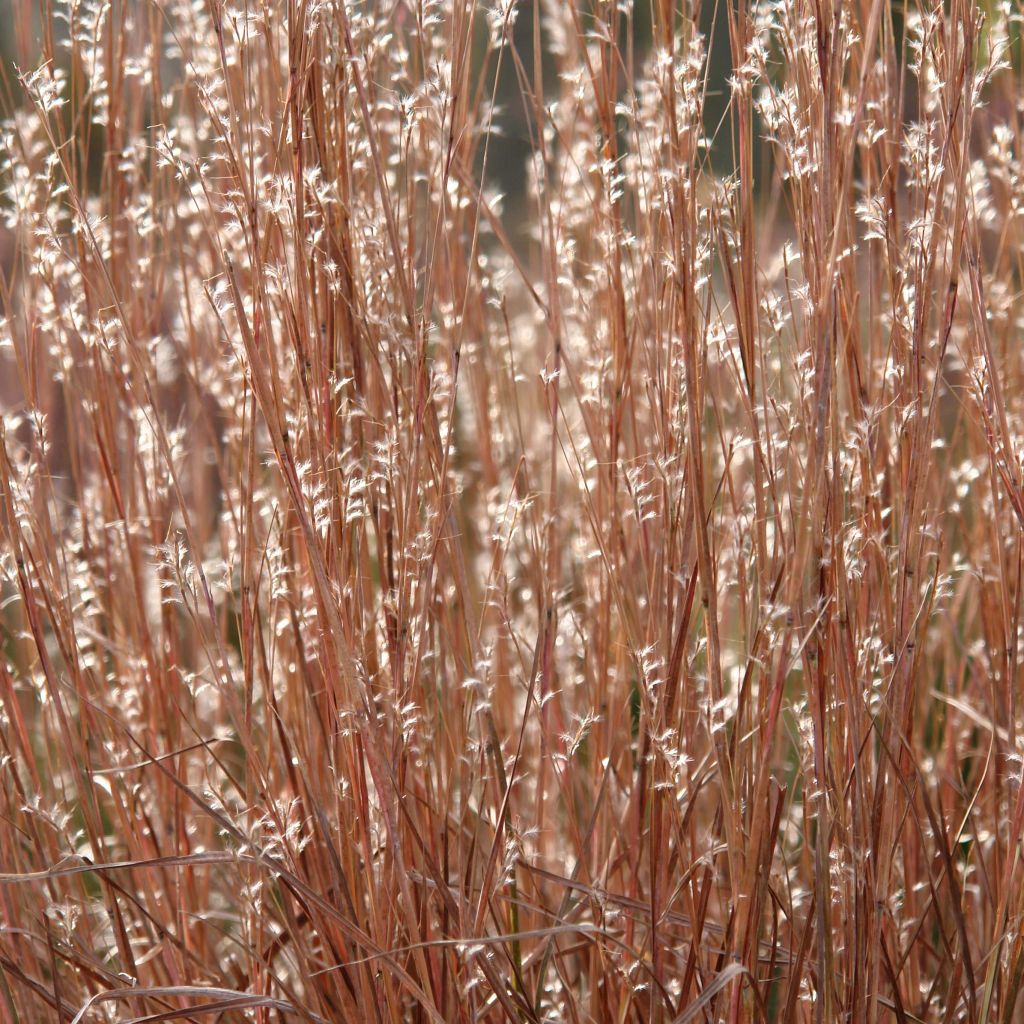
600 602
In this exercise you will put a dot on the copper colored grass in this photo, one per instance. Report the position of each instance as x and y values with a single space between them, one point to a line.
597 603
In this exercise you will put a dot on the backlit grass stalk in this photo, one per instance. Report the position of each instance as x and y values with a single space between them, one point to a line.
600 602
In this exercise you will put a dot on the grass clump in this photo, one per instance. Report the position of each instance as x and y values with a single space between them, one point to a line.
600 602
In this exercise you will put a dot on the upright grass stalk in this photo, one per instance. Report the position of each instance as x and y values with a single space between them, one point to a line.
600 602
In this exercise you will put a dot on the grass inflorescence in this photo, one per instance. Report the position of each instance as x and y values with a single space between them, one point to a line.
599 602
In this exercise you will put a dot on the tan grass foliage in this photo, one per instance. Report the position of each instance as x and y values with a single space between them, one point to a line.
600 603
